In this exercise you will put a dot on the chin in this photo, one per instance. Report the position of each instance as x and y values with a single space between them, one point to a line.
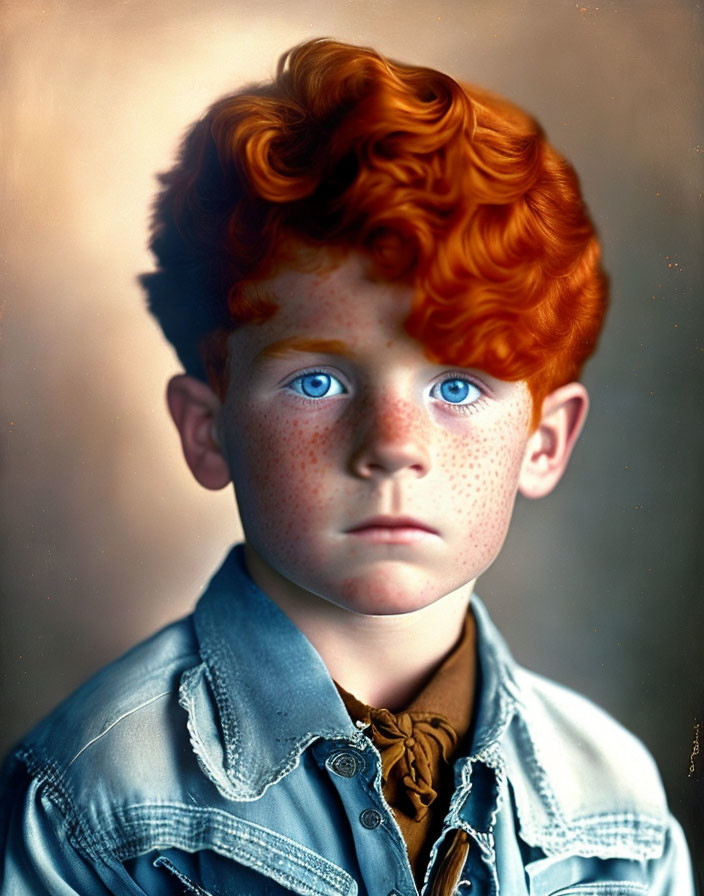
387 594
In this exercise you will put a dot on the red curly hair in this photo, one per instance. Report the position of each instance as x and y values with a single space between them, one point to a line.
445 184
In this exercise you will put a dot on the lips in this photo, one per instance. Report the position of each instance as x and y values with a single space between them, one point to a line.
393 522
392 530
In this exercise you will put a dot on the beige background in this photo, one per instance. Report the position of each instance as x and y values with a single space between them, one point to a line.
105 536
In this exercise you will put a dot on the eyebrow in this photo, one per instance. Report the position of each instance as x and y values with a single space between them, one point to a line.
313 346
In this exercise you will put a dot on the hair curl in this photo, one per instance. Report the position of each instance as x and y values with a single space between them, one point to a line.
444 183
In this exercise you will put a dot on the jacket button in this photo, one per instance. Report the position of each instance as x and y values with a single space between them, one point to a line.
344 764
370 819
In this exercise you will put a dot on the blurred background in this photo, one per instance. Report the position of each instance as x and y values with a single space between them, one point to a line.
106 537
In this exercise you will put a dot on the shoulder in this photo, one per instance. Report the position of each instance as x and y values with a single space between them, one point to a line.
585 786
580 742
121 731
569 758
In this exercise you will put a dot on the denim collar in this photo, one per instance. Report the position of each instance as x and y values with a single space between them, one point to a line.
497 693
569 765
263 695
273 694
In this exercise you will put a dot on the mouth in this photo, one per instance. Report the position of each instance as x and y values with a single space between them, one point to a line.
392 530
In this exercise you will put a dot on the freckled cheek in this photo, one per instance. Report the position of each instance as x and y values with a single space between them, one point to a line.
279 473
481 474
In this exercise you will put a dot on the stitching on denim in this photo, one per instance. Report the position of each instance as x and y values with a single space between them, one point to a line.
186 699
293 760
490 757
117 722
47 773
527 749
604 888
213 648
139 828
233 786
231 736
501 791
595 834
508 709
499 657
605 838
238 786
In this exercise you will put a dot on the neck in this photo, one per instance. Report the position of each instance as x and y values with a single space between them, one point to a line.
383 661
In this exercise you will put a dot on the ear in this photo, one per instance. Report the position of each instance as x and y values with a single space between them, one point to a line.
550 445
194 408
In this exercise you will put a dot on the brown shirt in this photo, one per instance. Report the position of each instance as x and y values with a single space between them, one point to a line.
418 745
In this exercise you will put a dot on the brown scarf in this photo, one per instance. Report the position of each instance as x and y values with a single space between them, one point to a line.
417 746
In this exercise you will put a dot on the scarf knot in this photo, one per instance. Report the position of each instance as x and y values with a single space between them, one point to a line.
412 746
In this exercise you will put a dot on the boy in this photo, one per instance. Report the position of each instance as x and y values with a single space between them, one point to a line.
382 286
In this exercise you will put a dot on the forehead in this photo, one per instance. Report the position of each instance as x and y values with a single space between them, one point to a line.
337 299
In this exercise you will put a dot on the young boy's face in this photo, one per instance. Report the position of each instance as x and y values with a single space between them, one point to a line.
364 473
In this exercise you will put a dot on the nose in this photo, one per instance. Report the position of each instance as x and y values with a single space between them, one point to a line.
392 440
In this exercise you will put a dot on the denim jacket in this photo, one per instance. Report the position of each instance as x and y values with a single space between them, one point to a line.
218 758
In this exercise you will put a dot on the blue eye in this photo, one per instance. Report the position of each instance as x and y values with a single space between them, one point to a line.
317 385
457 391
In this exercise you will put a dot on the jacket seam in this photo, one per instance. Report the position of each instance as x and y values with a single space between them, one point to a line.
182 826
47 773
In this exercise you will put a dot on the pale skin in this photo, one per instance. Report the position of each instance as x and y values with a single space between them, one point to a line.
374 486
